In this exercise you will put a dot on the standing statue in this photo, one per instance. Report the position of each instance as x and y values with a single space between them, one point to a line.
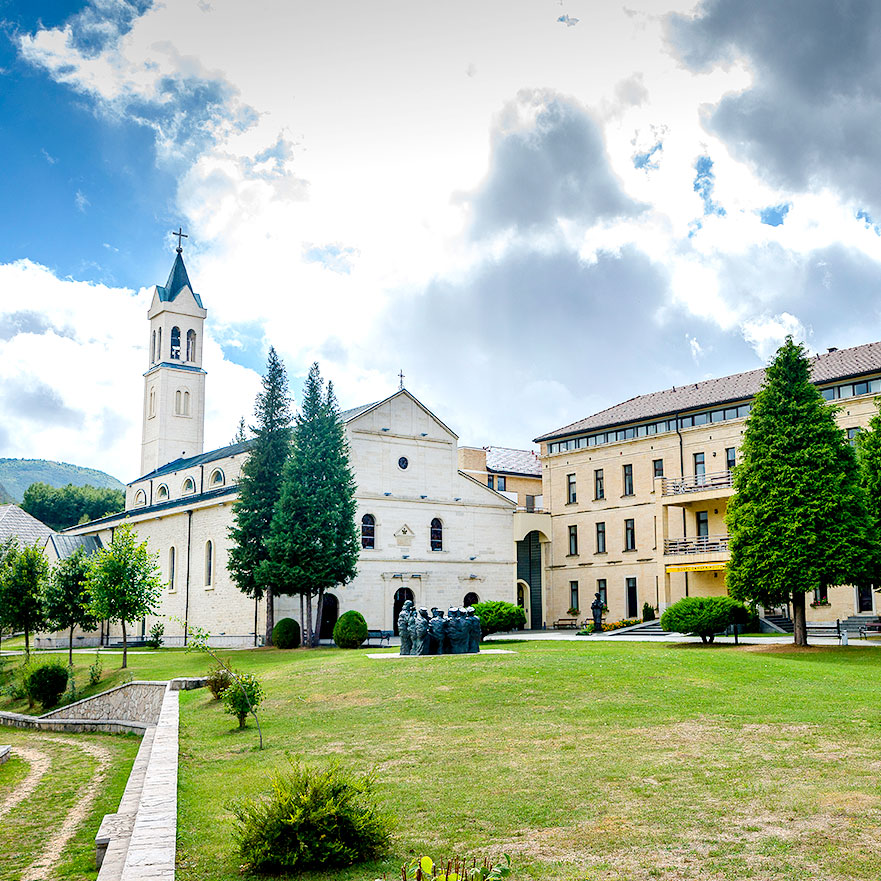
475 634
437 631
458 630
411 627
421 642
596 608
404 627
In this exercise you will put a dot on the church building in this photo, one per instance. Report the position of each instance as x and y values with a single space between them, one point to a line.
429 532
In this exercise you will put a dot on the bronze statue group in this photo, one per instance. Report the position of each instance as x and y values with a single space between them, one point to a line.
456 633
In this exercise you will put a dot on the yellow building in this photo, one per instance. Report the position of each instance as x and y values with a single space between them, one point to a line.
516 474
638 493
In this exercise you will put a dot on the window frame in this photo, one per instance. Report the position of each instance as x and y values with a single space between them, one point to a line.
599 485
630 534
436 534
573 540
601 537
627 479
571 489
368 532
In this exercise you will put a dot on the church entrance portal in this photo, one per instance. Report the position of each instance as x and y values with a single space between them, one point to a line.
329 614
402 594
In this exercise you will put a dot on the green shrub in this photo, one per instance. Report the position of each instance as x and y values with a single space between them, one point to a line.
218 680
286 634
350 630
704 616
46 683
458 869
648 612
242 696
312 819
95 670
499 617
157 631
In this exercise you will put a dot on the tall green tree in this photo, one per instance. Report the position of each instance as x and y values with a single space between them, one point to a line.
63 506
797 520
313 543
868 446
67 598
260 487
23 577
124 582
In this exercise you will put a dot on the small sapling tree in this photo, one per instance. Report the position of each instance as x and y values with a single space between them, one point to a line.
67 598
124 582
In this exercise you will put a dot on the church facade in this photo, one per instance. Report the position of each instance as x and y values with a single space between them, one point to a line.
429 532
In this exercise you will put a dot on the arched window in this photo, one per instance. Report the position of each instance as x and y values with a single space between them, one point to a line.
171 572
162 493
471 598
186 410
368 532
217 478
175 343
437 535
140 498
153 349
191 345
152 410
159 344
178 403
189 486
209 564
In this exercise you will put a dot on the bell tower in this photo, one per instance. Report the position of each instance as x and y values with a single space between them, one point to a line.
174 384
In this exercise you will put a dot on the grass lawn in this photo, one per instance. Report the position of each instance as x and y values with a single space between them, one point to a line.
582 761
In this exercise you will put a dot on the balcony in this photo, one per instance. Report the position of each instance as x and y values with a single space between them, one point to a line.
712 482
703 544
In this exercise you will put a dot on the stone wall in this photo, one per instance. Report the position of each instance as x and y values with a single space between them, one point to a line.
133 701
73 726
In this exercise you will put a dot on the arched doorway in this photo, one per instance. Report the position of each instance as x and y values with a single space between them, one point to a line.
471 598
329 613
402 594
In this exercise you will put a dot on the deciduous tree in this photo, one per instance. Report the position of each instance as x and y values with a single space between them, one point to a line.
23 576
63 506
797 520
67 598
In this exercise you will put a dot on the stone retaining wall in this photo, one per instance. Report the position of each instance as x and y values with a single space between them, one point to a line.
133 701
73 726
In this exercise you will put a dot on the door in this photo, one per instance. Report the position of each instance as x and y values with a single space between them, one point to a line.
330 611
402 594
864 598
631 598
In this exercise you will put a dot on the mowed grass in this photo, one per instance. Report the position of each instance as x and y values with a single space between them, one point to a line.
580 760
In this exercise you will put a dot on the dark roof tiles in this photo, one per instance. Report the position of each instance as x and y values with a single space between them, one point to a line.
18 524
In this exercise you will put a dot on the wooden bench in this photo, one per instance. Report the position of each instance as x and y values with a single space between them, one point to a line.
563 623
830 630
870 628
381 636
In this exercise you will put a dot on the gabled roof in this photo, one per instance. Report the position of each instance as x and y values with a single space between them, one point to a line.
348 415
509 461
194 461
839 364
177 281
16 523
66 545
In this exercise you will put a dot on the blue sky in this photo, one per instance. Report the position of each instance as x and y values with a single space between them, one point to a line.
533 219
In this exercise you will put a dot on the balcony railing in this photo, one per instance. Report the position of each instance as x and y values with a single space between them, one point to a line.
703 544
675 486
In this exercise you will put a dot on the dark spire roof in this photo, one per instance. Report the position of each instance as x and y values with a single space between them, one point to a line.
177 281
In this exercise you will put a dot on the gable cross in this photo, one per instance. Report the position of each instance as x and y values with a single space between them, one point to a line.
401 378
180 235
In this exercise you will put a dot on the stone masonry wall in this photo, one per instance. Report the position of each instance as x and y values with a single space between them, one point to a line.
133 701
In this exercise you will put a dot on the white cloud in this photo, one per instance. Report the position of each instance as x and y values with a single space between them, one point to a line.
767 333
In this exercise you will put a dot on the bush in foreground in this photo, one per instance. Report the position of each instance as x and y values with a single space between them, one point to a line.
286 634
243 696
350 630
218 680
312 819
499 617
46 683
704 616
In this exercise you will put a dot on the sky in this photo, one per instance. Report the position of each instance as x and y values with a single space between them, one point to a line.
535 209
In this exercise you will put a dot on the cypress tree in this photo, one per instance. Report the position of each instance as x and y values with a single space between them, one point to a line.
314 542
797 518
260 486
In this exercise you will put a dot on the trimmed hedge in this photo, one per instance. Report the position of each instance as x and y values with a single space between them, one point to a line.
499 617
350 630
704 616
286 634
46 683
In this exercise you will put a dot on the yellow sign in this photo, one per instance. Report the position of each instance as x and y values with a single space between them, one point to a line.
697 567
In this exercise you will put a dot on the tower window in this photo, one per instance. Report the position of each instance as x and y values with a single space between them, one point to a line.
140 499
153 349
368 532
186 403
191 345
175 344
437 535
217 478
152 409
159 344
178 402
162 493
189 486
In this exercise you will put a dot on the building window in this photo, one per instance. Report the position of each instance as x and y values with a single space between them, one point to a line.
700 468
178 403
186 404
852 436
599 491
658 468
730 458
140 498
403 463
437 535
171 571
601 538
491 481
821 594
628 480
629 535
209 564
152 402
159 344
368 532
162 493
191 345
703 523
217 478
601 590
571 495
632 597
471 599
175 343
188 487
530 504
573 595
573 541
501 483
153 349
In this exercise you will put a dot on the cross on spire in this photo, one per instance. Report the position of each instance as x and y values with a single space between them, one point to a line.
180 235
401 378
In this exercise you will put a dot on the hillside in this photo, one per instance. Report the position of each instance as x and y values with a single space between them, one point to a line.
16 475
